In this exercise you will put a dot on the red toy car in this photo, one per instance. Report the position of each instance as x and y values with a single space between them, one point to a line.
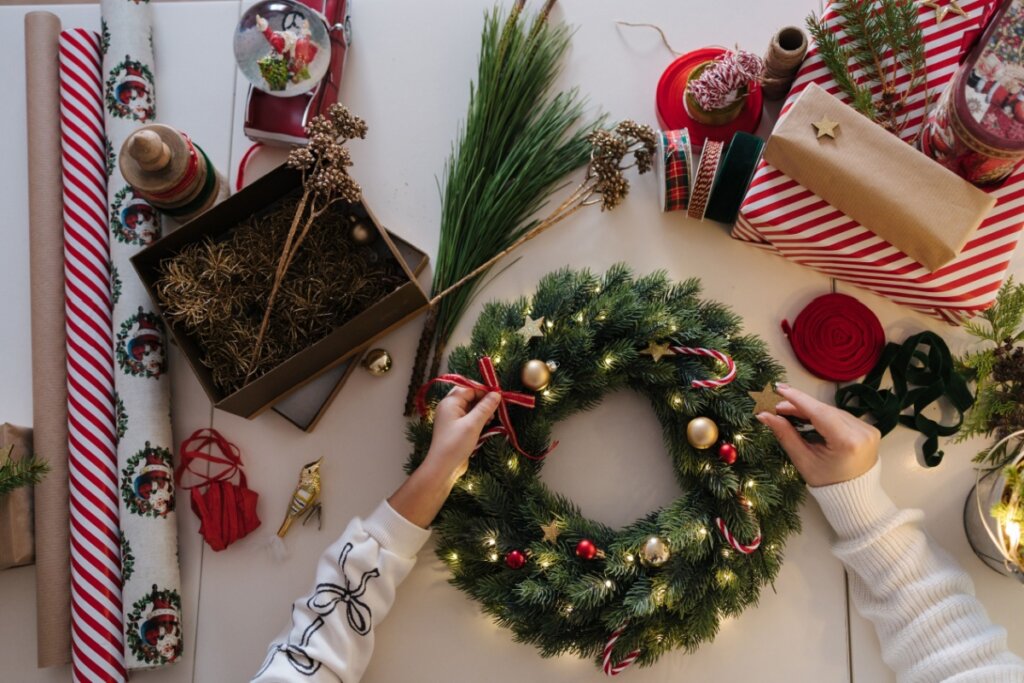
281 121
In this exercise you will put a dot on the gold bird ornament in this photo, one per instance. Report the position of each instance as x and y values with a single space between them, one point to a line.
306 496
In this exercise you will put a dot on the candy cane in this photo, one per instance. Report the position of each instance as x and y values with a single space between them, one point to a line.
729 376
614 669
732 540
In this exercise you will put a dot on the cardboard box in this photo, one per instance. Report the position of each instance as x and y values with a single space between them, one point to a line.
342 343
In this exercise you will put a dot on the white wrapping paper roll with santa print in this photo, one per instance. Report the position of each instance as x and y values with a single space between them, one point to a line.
151 593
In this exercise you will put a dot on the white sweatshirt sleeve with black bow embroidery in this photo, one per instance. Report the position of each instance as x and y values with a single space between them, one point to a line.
330 638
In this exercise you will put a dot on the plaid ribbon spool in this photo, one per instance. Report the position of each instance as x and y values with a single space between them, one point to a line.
490 384
674 162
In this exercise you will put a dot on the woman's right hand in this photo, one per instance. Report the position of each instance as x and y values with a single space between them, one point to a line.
850 448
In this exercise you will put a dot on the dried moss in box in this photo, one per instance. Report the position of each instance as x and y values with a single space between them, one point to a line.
218 290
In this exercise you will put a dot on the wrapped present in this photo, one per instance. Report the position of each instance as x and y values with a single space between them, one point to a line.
923 209
17 540
781 215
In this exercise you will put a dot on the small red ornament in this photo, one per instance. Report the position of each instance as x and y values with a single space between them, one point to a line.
586 550
727 453
515 559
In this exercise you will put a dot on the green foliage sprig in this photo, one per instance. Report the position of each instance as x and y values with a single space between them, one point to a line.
882 39
17 473
997 369
519 141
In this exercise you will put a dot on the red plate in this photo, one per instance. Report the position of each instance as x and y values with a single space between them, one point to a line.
672 113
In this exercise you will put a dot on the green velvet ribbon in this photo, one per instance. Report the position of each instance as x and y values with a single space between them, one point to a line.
922 373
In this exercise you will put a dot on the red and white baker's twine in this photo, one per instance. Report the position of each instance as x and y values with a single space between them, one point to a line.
97 648
611 668
490 384
723 79
745 549
730 365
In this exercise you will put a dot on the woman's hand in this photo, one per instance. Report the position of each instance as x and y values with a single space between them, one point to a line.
458 421
850 448
457 427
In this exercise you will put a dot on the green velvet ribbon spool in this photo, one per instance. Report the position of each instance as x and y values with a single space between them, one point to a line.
734 177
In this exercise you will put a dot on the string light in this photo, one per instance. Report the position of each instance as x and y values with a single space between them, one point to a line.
546 393
629 558
738 437
676 401
567 610
550 324
468 484
702 532
513 464
496 359
453 556
608 583
706 467
608 360
726 553
601 316
1012 529
545 563
579 317
750 483
493 557
490 541
503 342
725 577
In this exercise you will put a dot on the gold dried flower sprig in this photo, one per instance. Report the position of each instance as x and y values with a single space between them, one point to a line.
615 151
324 163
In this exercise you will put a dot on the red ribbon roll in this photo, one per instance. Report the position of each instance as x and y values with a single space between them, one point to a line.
836 338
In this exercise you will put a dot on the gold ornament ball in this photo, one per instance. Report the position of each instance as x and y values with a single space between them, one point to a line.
377 362
702 432
536 375
655 552
362 234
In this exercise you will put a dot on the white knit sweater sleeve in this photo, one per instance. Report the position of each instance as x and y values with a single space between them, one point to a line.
930 625
330 637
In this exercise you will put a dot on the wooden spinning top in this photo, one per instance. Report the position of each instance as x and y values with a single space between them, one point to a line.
154 158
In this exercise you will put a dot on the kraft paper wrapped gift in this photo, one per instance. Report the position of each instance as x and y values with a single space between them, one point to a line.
869 174
17 542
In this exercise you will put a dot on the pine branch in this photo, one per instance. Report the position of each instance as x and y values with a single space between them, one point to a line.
17 473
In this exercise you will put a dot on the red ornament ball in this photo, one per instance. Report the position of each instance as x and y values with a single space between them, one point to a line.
727 453
515 559
586 550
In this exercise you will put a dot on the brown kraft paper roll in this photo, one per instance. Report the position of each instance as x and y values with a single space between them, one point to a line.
16 547
49 371
913 203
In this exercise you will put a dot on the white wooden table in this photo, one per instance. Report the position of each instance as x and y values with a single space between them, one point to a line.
408 74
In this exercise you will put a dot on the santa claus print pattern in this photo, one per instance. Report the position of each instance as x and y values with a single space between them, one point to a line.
154 627
133 220
150 595
129 91
147 483
140 346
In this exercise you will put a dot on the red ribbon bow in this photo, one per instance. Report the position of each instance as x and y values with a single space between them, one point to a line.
489 385
226 511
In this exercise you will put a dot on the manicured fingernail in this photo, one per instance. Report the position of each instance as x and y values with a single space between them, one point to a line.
781 385
493 397
761 417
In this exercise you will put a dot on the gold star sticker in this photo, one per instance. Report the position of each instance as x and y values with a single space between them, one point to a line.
766 399
941 12
656 351
531 328
551 531
826 127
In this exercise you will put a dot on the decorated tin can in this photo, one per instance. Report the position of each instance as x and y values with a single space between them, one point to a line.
977 127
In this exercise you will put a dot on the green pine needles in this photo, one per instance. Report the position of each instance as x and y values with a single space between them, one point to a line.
881 43
595 328
997 370
517 145
17 473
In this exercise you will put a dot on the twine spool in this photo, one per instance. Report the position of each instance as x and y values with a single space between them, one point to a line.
785 54
170 172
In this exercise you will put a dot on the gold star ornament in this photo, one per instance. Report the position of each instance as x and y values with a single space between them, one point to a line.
551 531
656 351
765 400
942 11
531 328
826 127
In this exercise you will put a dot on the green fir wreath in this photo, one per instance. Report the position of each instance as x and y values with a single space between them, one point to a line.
495 531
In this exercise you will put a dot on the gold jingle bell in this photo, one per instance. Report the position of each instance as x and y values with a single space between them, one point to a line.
377 362
702 432
536 374
362 233
655 552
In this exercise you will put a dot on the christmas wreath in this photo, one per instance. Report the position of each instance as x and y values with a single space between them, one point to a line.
566 583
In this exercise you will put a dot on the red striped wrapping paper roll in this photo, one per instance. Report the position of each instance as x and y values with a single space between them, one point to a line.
96 628
780 215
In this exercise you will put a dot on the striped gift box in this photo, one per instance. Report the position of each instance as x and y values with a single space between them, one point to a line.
780 215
